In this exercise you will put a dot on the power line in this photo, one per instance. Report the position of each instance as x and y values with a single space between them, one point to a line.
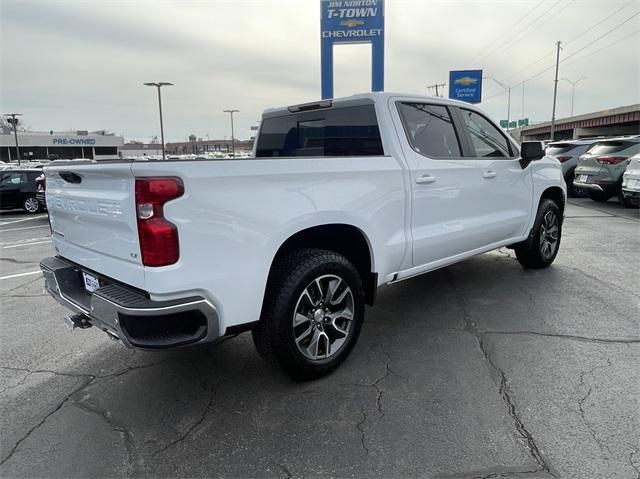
512 26
523 32
603 48
581 49
588 30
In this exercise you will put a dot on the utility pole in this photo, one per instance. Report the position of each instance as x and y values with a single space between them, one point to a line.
522 101
159 85
573 89
11 118
555 92
506 88
233 138
436 86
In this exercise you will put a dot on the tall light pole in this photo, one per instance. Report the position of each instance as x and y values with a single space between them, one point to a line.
573 89
159 85
233 138
555 93
11 118
507 88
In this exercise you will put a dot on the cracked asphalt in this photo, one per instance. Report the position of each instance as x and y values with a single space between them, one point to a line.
481 369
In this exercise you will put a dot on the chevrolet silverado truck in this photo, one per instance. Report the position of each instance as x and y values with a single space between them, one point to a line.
340 197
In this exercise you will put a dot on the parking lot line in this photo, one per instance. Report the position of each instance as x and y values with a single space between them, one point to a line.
20 274
25 228
26 244
4 223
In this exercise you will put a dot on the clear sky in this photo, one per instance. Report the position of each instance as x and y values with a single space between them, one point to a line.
81 64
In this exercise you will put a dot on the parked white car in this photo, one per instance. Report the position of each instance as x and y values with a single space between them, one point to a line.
343 196
631 180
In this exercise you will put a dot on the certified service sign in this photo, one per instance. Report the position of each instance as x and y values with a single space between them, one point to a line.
352 21
466 85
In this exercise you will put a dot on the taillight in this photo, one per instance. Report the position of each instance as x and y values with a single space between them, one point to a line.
610 160
562 159
158 237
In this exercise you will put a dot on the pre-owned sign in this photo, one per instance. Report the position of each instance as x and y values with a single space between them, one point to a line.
352 21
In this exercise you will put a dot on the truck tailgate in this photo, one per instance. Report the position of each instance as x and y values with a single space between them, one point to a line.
93 218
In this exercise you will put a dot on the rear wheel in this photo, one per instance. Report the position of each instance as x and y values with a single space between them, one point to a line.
31 204
541 247
312 314
599 197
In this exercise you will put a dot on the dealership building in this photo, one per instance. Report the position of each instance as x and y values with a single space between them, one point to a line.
98 145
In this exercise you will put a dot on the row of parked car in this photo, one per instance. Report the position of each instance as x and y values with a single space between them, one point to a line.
601 168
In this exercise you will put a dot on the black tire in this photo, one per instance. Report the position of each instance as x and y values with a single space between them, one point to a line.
599 197
531 253
628 202
293 275
31 205
572 190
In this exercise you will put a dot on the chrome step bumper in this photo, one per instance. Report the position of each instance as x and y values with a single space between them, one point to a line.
127 314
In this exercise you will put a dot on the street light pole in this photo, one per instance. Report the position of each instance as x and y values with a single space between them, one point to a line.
14 123
573 89
555 93
507 88
159 85
233 138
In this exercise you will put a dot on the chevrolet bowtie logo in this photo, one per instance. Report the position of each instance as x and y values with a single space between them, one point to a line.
351 23
466 81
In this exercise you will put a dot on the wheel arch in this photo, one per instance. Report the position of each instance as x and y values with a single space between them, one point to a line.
556 194
345 239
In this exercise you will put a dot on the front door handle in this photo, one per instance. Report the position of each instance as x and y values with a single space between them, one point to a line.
424 179
489 174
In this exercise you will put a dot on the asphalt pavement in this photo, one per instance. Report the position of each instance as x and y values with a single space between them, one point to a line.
481 369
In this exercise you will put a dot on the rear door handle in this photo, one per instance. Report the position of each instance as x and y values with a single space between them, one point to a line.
424 179
489 174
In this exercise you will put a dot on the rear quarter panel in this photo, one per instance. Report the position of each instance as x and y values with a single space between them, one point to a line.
234 215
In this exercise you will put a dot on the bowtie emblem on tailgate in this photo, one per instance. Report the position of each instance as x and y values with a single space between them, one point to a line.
87 206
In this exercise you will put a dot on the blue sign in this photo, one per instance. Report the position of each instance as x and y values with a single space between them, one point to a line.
352 21
466 85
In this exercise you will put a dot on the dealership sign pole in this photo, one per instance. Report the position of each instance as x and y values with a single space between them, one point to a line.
349 22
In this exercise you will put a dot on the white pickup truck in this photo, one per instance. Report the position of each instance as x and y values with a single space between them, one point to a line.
341 197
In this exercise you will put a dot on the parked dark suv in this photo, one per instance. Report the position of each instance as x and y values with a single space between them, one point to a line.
18 190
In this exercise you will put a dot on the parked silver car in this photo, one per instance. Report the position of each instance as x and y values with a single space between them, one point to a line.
567 153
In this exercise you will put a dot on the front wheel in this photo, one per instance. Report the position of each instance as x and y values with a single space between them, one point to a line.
312 315
31 205
541 247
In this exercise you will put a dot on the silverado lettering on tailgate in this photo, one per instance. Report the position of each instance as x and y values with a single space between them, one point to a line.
80 205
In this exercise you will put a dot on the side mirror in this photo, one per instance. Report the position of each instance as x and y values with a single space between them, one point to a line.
530 151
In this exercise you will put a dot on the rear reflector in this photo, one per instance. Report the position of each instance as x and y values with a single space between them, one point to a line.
610 160
158 237
562 159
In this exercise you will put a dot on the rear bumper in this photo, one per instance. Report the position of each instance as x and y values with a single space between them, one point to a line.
127 314
40 196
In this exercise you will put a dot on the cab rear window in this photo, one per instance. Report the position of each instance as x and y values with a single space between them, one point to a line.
560 148
347 131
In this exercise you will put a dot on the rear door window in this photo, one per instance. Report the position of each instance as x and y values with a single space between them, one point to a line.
346 131
487 140
430 130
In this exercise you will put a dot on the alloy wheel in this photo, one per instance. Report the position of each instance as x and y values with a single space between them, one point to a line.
323 317
549 230
31 205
